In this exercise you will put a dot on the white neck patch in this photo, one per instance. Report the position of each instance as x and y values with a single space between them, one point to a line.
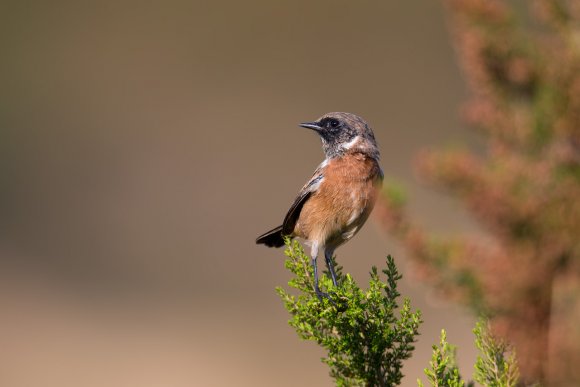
351 143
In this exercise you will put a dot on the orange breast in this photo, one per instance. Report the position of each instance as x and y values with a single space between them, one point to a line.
343 201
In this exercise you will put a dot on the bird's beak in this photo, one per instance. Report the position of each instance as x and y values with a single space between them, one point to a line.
311 125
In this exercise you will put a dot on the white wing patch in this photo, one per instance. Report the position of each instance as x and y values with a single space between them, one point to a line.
315 184
352 218
350 233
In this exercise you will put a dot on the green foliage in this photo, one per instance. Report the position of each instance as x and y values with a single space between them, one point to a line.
365 340
492 367
443 371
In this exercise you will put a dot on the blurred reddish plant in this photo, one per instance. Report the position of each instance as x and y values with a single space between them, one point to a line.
524 77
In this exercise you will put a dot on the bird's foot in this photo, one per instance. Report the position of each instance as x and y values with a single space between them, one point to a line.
320 294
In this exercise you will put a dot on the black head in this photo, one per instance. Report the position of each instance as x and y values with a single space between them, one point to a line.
344 133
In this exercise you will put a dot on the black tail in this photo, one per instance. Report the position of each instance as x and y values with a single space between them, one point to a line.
272 238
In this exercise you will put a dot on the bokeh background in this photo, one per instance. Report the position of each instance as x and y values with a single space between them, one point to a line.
144 146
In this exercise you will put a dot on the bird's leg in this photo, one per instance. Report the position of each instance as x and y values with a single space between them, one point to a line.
316 287
314 254
329 265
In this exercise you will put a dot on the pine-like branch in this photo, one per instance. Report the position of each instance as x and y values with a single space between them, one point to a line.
366 340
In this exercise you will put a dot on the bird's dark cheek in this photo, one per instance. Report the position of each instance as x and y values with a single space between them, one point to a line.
326 136
331 133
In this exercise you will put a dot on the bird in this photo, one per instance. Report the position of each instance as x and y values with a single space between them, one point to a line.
339 197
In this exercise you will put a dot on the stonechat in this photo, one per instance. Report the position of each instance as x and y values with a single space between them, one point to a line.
335 203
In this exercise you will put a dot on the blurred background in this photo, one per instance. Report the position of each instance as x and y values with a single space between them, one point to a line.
146 144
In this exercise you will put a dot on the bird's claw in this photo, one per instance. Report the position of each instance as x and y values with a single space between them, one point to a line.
320 294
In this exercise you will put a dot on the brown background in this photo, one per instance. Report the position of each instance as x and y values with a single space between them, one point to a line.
146 144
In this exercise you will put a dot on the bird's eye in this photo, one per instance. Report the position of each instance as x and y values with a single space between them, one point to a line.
333 123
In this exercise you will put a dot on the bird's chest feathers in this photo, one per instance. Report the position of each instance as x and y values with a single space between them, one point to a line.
343 201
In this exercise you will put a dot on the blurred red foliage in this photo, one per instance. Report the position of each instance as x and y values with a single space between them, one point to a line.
523 71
